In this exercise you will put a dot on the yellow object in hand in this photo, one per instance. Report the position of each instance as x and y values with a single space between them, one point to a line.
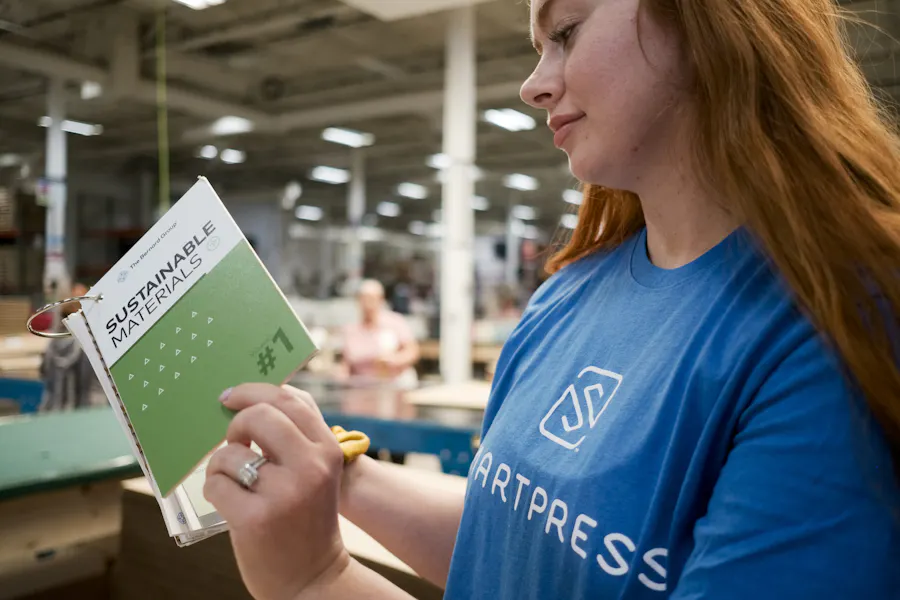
353 443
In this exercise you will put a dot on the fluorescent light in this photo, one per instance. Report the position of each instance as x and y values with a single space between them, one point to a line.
231 126
413 190
348 137
569 221
309 213
573 197
480 203
418 228
200 4
330 175
292 192
509 119
438 161
370 234
208 152
518 181
388 209
76 127
10 160
232 156
524 213
91 90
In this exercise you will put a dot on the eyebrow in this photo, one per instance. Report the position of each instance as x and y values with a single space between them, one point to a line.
542 16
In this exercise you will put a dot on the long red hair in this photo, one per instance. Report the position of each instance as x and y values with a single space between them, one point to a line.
789 132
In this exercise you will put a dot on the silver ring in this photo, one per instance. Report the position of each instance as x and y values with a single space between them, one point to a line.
249 473
51 307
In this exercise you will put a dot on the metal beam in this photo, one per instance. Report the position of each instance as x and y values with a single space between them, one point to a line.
420 102
180 98
50 64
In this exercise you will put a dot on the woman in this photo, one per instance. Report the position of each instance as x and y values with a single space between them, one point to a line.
703 401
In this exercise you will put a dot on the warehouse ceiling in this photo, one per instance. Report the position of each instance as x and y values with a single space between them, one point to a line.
292 68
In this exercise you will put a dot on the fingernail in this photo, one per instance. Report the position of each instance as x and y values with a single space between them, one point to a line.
225 395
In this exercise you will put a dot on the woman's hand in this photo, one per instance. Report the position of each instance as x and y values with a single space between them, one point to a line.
284 529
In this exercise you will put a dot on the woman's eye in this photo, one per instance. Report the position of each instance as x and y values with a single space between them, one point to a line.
562 34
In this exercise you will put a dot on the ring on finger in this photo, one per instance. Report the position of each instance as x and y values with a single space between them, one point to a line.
248 474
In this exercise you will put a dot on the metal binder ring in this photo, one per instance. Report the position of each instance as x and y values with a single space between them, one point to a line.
50 307
249 473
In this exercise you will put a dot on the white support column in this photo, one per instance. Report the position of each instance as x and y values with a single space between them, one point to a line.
356 210
56 273
326 263
460 104
513 241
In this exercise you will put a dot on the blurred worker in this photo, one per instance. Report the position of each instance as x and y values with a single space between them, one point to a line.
69 380
382 345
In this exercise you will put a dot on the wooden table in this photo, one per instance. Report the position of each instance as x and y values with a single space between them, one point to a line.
60 500
481 353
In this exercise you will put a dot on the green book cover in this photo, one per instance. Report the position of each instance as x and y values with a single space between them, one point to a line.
189 312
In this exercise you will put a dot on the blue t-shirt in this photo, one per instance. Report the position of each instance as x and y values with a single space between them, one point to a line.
677 433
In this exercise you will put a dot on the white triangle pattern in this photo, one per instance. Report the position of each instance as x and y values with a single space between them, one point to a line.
193 358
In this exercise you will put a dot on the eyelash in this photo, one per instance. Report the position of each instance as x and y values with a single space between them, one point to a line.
562 34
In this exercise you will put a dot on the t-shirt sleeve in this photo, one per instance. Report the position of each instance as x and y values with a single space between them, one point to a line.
808 483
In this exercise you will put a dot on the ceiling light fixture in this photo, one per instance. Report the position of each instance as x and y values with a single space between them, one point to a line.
76 127
438 161
480 203
413 190
569 221
309 213
518 181
573 197
388 209
509 119
418 228
330 175
292 192
231 126
200 4
208 152
233 157
10 160
91 90
348 137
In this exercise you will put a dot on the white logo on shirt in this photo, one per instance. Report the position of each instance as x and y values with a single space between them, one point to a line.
586 415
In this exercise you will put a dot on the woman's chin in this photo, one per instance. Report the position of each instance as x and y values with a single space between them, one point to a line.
595 170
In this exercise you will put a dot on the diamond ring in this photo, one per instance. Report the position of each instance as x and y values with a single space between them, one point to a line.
249 473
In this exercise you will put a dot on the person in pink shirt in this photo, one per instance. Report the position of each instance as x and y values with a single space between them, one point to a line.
382 345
